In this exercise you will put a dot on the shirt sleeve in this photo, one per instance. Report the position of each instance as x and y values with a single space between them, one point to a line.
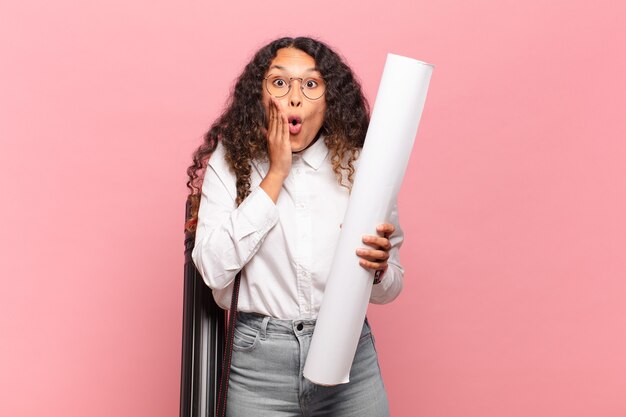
228 236
392 280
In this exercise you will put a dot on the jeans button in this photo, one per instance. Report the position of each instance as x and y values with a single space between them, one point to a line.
300 326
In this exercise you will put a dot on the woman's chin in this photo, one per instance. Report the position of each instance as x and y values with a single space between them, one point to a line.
300 142
297 145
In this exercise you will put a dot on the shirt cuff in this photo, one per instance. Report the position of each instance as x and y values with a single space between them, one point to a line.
384 284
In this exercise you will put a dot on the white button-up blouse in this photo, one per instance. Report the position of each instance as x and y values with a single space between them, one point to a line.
284 250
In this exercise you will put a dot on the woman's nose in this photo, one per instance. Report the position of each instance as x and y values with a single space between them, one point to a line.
295 96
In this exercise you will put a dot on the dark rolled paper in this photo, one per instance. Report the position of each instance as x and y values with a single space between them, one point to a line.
203 340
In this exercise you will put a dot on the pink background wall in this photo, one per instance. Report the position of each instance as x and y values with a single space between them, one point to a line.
513 204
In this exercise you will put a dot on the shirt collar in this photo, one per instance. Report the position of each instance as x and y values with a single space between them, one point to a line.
316 153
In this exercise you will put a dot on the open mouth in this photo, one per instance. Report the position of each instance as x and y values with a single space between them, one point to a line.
294 120
295 124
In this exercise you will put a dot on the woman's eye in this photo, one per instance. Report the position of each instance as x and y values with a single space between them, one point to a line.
279 83
310 84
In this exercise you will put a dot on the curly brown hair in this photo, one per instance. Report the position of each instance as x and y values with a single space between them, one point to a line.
240 126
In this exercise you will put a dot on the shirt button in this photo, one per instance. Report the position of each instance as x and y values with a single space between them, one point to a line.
300 327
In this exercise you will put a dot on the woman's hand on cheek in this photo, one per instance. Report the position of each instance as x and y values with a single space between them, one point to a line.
278 143
375 257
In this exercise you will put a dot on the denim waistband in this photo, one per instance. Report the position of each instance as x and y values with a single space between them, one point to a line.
273 325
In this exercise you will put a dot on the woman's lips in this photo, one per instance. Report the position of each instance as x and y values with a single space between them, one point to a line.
295 125
294 129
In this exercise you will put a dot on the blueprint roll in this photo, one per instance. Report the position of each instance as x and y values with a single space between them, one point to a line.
382 163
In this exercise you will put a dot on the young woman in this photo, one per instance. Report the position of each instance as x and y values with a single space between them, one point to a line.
275 190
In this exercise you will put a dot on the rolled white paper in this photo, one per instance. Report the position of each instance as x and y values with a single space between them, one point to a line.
382 163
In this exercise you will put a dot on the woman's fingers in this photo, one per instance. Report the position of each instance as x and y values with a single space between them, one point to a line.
278 124
385 229
282 126
273 122
279 145
380 242
372 259
375 266
377 242
285 131
375 257
372 255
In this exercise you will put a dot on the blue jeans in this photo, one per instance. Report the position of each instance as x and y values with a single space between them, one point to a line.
266 374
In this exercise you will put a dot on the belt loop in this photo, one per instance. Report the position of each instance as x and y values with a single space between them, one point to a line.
266 320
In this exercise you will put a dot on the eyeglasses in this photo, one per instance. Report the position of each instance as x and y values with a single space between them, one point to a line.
279 85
